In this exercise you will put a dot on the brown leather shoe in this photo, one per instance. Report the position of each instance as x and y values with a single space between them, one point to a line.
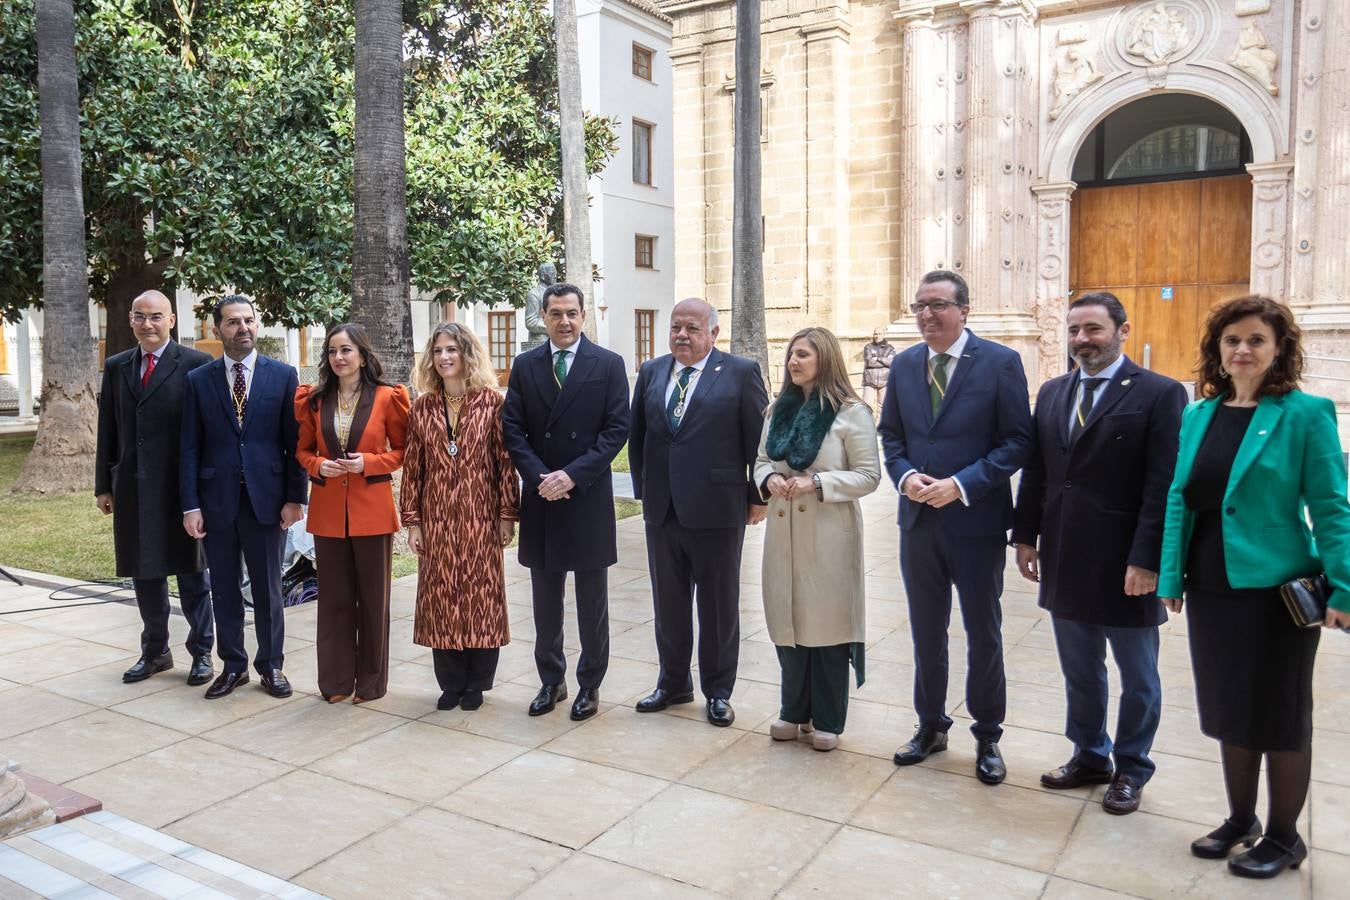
1075 773
1123 796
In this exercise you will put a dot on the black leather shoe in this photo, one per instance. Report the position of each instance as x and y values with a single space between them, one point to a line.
720 713
471 700
202 671
1269 858
1075 773
147 666
275 683
1122 797
448 700
926 741
1219 842
989 766
586 705
660 699
547 698
224 683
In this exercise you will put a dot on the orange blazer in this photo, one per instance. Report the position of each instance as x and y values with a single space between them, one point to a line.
354 505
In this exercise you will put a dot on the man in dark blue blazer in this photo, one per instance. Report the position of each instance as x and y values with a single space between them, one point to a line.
697 418
241 488
1094 494
955 427
564 421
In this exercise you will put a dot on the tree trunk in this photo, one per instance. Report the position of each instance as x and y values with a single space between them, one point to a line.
380 291
131 276
62 456
576 212
747 235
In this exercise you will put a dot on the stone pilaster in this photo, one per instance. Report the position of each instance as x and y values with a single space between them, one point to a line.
827 167
1052 277
1310 30
1331 262
1270 228
690 204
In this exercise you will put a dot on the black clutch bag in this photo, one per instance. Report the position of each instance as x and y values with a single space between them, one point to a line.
1306 600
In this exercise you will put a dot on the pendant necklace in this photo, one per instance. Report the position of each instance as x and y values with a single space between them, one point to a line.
678 412
344 419
451 444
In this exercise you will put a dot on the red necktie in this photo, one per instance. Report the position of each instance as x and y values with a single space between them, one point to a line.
149 368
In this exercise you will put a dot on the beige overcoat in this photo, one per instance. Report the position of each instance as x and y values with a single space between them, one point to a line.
813 550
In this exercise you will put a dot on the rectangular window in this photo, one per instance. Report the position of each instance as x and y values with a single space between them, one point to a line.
644 333
501 340
642 152
642 62
644 251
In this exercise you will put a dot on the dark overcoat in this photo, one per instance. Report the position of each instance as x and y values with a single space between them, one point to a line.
1096 503
137 462
579 429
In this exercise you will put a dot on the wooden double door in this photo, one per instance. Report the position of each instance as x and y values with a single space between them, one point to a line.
1170 251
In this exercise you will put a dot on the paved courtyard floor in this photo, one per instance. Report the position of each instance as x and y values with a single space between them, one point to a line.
396 799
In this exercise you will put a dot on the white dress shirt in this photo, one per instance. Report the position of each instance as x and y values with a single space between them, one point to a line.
694 376
1108 373
250 362
570 358
157 354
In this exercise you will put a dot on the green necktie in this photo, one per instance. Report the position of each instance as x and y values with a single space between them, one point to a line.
676 401
937 388
560 367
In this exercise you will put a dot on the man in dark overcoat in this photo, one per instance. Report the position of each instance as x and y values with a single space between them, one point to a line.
1093 496
140 411
564 421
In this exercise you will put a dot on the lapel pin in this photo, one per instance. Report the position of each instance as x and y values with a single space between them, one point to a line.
1261 432
1125 383
717 368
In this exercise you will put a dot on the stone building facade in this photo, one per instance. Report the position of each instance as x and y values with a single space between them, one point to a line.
906 135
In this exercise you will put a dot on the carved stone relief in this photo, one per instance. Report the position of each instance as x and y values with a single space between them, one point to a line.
1158 34
1254 56
1074 71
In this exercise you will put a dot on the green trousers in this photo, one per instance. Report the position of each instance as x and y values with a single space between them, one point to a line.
815 685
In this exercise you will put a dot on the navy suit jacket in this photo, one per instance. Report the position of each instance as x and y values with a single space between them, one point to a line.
705 469
216 453
981 434
579 429
1097 502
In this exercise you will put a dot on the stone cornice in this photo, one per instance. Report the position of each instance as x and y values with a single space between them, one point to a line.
927 9
835 27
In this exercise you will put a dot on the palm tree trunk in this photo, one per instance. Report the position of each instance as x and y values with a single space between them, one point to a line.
62 455
380 293
747 235
576 212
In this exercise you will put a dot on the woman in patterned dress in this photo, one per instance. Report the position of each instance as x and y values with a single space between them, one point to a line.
460 501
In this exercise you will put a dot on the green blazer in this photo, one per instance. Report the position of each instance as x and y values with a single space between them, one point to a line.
1289 468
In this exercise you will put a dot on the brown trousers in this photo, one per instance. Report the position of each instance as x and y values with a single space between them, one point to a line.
353 632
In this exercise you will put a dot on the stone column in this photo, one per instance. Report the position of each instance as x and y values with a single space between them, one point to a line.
1307 84
827 157
19 810
1052 277
1270 228
1331 238
690 205
925 177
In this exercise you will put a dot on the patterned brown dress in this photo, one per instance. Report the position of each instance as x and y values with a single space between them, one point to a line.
461 590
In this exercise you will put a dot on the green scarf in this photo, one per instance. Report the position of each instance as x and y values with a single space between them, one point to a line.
797 427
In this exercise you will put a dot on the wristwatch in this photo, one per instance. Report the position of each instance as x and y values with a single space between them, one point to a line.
820 490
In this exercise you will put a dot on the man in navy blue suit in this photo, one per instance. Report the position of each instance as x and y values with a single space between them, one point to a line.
564 421
241 489
697 417
955 427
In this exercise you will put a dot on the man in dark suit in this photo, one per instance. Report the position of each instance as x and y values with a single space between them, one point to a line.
140 413
242 488
564 421
1094 492
697 418
955 427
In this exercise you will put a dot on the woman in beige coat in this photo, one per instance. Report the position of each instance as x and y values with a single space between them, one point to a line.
817 457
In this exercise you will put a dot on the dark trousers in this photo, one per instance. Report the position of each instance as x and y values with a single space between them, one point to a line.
470 669
931 562
194 596
815 686
261 546
592 625
702 564
1082 657
352 638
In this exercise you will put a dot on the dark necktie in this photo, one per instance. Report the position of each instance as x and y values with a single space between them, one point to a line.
560 366
149 369
937 388
1080 415
240 394
675 406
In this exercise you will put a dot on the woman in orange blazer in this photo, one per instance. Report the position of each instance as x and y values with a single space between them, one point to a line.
353 431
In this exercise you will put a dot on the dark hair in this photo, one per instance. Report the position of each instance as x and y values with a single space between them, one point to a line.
218 310
1285 371
558 290
933 277
371 373
1114 307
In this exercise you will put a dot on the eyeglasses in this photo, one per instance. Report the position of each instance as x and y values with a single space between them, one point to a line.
936 306
142 318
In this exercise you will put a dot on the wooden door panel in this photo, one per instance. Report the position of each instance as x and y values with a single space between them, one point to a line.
1108 235
1169 224
1226 236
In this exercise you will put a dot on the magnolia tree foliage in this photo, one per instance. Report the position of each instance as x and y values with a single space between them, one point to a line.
218 150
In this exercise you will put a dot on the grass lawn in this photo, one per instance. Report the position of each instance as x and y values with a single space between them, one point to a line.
66 535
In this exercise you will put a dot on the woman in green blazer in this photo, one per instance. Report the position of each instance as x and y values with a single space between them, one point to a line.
1258 458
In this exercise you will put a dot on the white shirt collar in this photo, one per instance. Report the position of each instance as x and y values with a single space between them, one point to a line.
1108 373
698 366
249 361
155 353
955 350
554 348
